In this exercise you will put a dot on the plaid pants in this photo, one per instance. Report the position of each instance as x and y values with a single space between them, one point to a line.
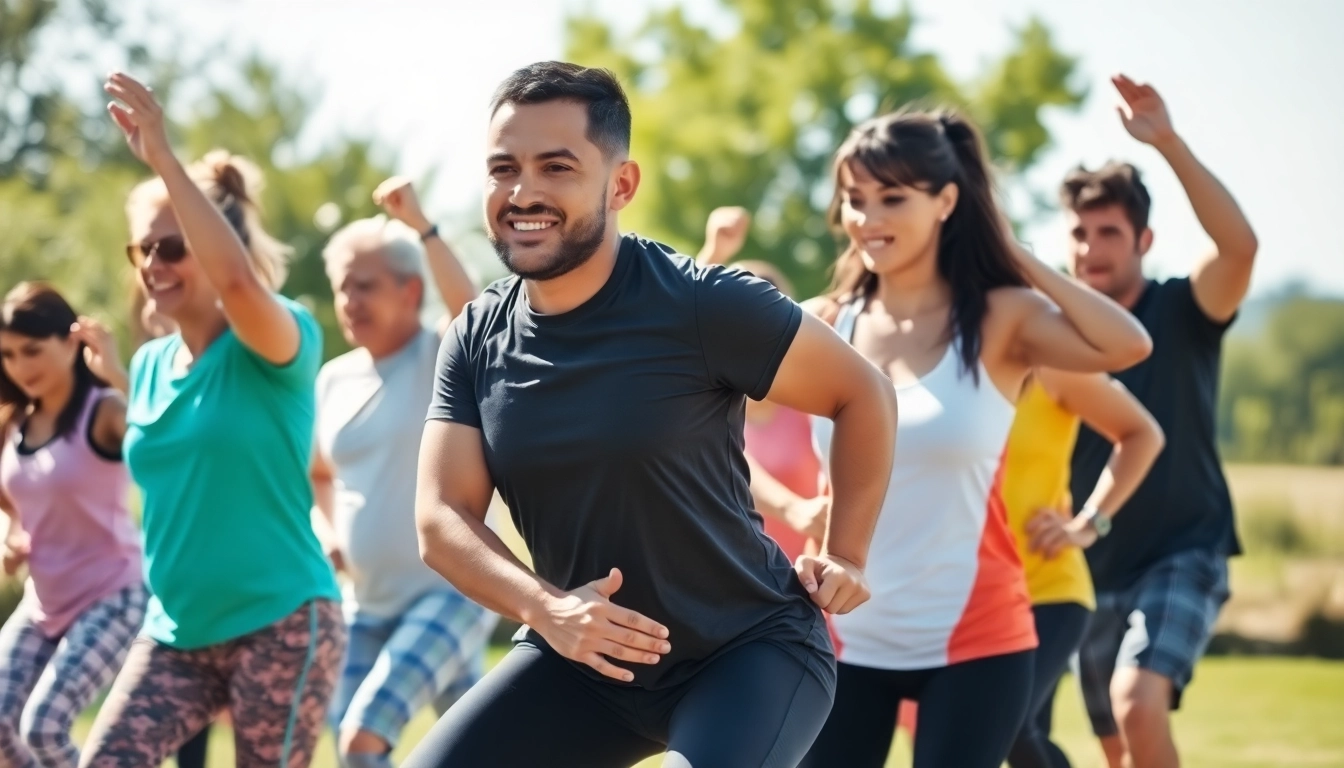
432 653
46 682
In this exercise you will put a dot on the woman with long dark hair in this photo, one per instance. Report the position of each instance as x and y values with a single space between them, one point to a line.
65 490
932 290
245 613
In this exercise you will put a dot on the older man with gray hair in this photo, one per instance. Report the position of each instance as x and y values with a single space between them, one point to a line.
414 639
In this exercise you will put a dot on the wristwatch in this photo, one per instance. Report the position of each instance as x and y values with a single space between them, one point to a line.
1099 522
433 231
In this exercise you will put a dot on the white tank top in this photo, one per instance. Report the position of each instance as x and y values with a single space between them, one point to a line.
947 583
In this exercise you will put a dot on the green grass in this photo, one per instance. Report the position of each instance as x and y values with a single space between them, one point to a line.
1240 713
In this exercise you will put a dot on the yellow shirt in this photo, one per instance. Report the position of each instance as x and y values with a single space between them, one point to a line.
1036 477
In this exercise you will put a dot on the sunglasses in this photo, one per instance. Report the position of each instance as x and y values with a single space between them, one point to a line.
170 250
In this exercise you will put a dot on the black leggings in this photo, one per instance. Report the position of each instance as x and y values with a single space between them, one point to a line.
1060 627
969 713
755 706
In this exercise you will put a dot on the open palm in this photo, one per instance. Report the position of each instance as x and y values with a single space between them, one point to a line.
138 114
1143 112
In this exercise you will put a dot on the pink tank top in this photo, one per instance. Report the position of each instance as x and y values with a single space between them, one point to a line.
72 500
783 447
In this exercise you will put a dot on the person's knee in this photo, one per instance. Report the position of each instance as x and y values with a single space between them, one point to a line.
1141 700
359 741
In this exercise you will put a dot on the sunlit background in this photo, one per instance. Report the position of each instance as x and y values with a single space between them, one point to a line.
740 103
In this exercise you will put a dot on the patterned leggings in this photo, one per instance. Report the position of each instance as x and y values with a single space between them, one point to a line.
46 682
275 682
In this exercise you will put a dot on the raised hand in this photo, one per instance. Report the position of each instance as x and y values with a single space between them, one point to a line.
397 197
726 233
1052 531
835 584
585 626
100 351
138 114
1143 111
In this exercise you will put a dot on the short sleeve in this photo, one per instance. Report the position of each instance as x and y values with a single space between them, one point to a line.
745 327
454 383
301 372
1200 326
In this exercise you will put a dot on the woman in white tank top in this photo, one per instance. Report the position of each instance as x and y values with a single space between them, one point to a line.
932 290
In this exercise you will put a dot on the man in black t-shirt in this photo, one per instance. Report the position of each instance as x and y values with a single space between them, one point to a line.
601 391
1161 573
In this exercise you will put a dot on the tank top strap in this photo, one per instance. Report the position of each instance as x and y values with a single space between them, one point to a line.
848 318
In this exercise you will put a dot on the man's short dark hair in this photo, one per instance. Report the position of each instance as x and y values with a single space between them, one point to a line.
608 109
1114 183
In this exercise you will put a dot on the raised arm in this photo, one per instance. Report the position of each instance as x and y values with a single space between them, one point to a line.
1108 408
100 354
397 197
823 375
1081 330
1221 279
725 234
254 312
452 497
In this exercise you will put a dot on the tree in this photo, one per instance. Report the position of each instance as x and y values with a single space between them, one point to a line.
751 117
1283 391
65 172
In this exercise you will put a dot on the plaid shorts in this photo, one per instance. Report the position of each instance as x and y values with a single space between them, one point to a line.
432 653
1162 624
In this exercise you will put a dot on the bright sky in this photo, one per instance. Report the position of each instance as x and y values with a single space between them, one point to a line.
1249 85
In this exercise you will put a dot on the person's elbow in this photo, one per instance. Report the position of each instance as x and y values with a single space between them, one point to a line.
1132 349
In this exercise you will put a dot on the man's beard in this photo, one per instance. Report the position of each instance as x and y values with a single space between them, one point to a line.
577 245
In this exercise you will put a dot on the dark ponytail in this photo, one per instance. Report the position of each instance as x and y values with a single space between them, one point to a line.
929 150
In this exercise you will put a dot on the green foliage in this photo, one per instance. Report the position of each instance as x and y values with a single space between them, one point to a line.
751 117
65 172
1283 391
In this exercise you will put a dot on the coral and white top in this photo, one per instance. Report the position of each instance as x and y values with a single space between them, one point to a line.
947 583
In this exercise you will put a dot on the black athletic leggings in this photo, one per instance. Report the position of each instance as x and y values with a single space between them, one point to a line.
1060 627
969 713
755 706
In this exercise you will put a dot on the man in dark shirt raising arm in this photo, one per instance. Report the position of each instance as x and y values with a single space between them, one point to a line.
601 391
1161 576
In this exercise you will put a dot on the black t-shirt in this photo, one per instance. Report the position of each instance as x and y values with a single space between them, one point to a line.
614 434
1184 502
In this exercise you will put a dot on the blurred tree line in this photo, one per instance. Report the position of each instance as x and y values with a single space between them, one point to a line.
65 171
742 107
1282 396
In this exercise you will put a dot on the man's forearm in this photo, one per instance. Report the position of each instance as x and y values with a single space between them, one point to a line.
861 456
480 565
1214 206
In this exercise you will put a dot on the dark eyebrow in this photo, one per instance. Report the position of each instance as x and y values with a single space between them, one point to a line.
554 154
558 154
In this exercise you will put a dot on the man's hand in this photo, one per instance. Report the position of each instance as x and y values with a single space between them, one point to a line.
1051 532
1143 112
725 234
585 626
835 584
397 198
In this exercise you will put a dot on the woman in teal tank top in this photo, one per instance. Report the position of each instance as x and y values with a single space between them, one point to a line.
245 610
